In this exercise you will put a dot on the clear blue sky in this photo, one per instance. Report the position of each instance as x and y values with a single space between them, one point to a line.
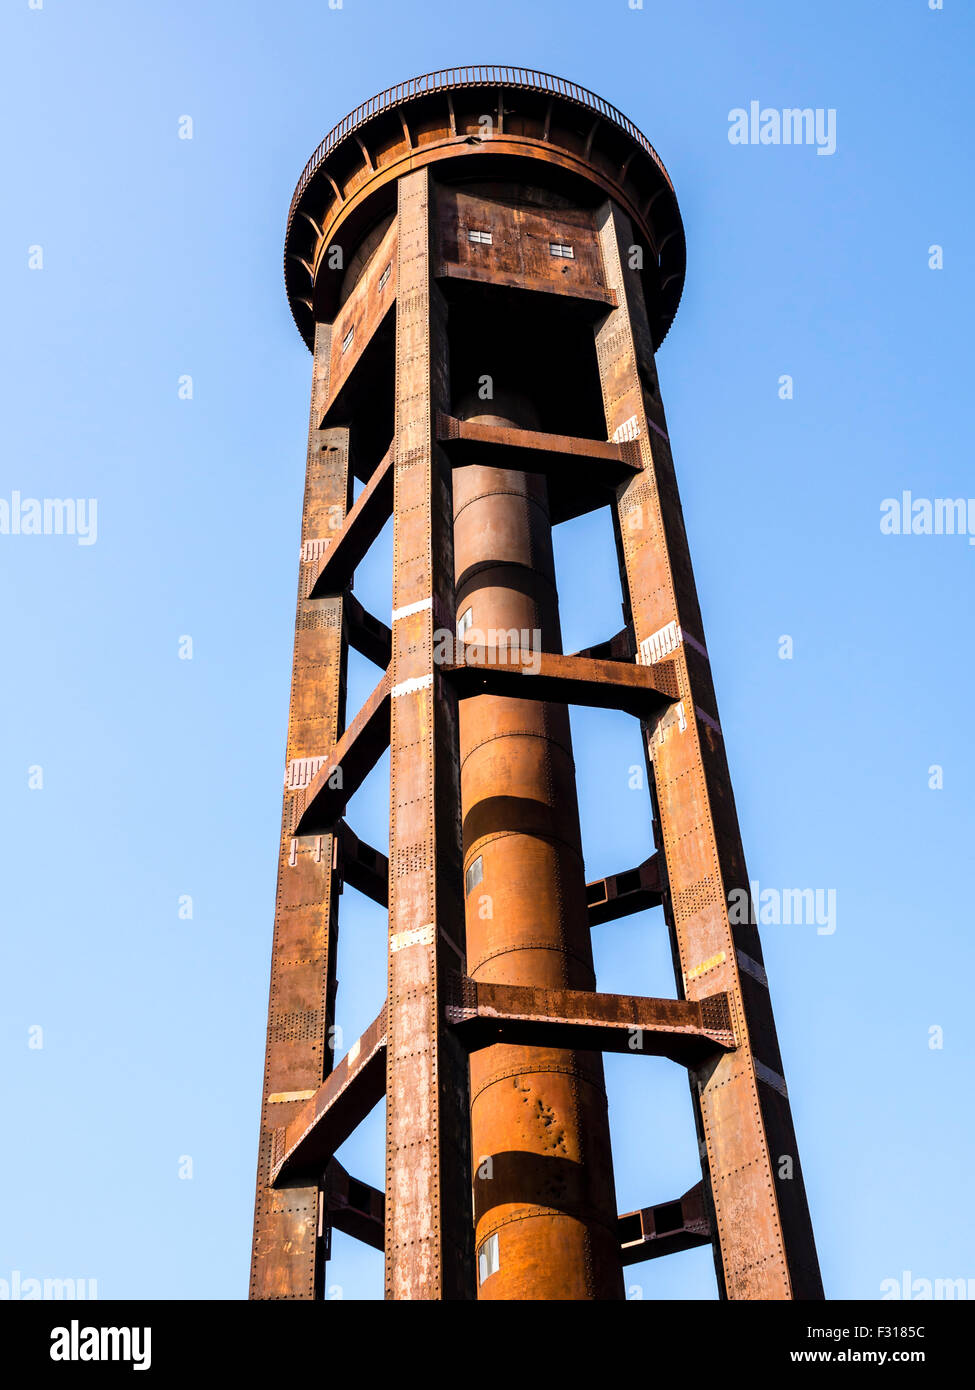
162 777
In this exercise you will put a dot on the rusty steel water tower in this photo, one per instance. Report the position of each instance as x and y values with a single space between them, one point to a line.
484 262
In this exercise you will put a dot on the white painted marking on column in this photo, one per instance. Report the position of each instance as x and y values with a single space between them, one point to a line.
314 549
412 685
301 772
666 640
660 643
414 936
629 429
409 609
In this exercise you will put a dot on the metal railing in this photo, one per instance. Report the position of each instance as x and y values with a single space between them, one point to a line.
487 76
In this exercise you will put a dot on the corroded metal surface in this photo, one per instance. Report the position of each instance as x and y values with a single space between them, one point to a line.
618 895
459 115
354 1207
484 75
301 1148
764 1247
348 544
686 1030
576 680
287 1255
666 1228
473 224
428 1233
333 777
543 1177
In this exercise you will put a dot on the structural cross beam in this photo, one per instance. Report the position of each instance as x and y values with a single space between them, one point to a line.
367 517
357 1209
484 301
686 1031
368 635
302 1148
353 1207
361 866
342 771
645 691
581 473
617 895
666 1228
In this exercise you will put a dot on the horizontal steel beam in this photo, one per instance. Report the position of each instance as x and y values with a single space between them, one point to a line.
618 895
622 647
595 299
583 474
302 1149
363 867
368 635
365 519
353 1207
320 804
570 680
666 1228
530 451
685 1030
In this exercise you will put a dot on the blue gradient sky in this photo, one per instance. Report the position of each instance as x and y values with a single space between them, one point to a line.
163 777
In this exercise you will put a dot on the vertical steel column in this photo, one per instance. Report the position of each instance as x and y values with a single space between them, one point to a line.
287 1255
764 1247
543 1184
429 1243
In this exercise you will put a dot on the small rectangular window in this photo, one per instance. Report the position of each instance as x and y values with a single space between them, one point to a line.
384 277
482 238
473 876
559 248
347 340
487 1259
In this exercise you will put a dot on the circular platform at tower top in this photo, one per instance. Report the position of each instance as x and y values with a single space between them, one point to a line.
475 122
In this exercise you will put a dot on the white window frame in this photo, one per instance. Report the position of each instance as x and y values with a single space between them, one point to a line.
474 875
488 1259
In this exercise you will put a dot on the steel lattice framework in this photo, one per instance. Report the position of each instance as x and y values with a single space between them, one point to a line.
484 261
